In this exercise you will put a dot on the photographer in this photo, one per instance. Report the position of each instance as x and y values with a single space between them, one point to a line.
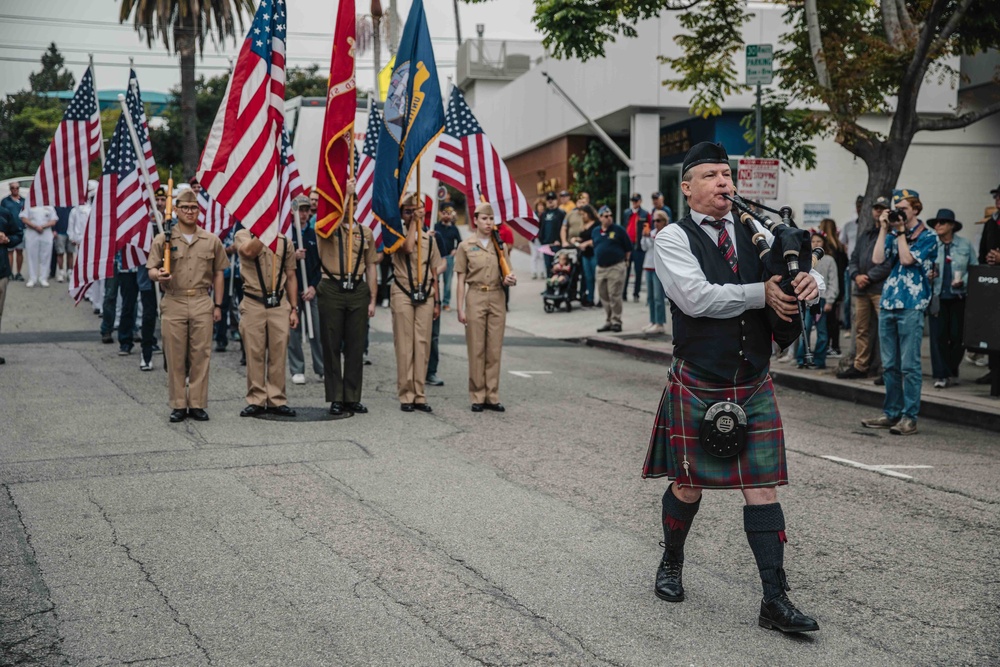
910 248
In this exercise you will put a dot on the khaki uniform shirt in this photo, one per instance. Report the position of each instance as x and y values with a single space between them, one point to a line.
274 277
429 259
574 223
479 264
192 265
329 251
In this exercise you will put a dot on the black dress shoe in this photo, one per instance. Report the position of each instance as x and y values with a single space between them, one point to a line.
606 327
781 614
616 328
252 411
423 407
495 407
851 373
198 414
669 585
281 411
337 409
2 361
477 407
357 408
406 407
178 416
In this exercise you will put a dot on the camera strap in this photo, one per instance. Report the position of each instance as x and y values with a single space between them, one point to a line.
260 274
422 290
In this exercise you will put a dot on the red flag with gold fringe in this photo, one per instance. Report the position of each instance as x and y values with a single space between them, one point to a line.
338 126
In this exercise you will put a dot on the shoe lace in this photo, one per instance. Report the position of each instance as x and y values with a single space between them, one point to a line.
670 563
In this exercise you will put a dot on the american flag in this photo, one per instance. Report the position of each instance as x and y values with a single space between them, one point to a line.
241 164
365 170
212 217
61 179
467 160
291 183
136 250
118 211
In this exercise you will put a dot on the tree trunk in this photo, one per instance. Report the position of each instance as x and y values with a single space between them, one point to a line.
184 41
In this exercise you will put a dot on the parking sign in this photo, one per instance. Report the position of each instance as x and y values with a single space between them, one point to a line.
760 61
757 178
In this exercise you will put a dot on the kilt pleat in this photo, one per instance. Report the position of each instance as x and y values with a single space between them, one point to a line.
675 436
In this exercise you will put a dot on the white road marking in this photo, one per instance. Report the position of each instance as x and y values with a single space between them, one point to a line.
884 469
528 374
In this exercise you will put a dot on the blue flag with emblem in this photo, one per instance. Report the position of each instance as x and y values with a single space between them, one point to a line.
413 117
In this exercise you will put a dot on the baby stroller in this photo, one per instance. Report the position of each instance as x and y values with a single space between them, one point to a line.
561 288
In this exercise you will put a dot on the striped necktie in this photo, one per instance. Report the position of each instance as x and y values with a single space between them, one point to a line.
725 243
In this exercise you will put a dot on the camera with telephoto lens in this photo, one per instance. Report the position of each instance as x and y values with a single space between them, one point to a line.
896 216
272 300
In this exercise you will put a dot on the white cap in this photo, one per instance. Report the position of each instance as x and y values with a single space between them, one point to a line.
91 187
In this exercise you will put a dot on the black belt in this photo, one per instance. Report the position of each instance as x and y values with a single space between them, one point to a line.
270 302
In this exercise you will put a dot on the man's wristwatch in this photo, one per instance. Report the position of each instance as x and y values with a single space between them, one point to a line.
218 305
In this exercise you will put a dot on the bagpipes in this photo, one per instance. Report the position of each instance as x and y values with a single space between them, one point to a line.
789 254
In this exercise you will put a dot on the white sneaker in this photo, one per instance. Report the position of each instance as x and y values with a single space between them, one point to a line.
30 283
298 378
45 283
940 384
60 275
657 329
145 365
649 327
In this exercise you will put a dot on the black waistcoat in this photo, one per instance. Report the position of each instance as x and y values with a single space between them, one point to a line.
721 345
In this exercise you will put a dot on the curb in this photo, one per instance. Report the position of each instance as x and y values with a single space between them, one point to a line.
842 390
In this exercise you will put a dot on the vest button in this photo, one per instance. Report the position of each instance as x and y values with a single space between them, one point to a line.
743 321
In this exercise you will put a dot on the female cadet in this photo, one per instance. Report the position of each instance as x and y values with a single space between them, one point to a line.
414 306
483 312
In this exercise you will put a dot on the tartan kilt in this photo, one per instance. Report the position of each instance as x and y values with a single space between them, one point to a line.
675 436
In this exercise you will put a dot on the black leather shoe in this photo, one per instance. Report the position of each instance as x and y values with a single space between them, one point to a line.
252 411
781 614
851 373
2 361
357 408
606 327
616 328
198 414
337 409
477 407
281 411
423 407
495 407
669 585
178 416
406 407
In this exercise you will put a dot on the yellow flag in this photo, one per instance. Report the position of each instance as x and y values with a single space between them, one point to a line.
384 77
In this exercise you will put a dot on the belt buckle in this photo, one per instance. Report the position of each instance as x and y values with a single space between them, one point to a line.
484 288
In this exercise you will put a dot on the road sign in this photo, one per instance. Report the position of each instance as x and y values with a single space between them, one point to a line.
813 213
760 60
757 178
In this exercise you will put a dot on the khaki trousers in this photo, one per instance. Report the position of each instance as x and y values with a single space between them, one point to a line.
486 314
265 340
186 325
411 335
610 282
866 308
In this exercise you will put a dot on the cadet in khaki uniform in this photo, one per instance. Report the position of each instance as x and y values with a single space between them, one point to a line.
346 300
265 320
187 312
482 309
414 306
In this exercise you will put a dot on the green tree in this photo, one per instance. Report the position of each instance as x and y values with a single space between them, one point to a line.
52 76
594 172
168 141
305 81
849 58
183 25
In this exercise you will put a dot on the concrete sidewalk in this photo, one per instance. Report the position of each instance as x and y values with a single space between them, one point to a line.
967 403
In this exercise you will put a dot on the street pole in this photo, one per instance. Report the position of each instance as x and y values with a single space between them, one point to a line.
758 129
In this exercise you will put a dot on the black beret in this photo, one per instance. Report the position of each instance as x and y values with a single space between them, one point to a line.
704 153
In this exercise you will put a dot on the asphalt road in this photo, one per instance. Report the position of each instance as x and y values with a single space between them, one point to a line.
526 538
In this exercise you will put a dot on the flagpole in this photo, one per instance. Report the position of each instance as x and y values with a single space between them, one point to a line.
420 224
305 278
97 100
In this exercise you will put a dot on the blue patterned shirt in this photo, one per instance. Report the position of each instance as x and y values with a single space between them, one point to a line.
908 287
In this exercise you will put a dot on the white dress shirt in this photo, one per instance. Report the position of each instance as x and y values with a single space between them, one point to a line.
78 222
684 280
39 215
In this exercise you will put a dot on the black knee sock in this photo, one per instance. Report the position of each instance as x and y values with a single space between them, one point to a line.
765 528
677 518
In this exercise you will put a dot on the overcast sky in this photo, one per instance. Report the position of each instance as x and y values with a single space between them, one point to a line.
79 27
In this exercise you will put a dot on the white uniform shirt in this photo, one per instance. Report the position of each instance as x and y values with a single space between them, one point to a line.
684 280
78 222
39 215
